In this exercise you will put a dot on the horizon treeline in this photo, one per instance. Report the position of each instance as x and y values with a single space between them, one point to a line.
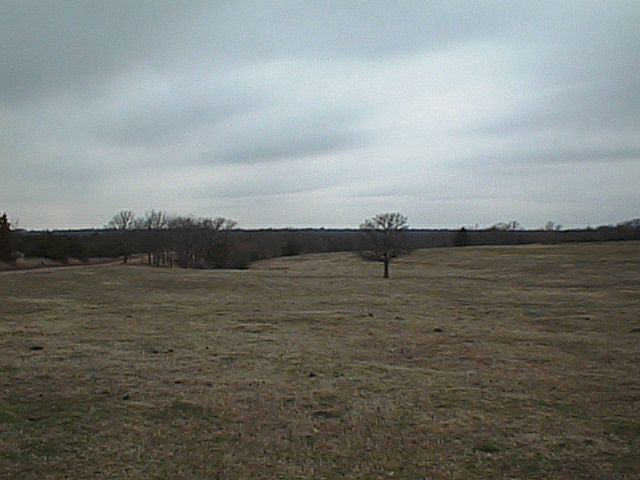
188 241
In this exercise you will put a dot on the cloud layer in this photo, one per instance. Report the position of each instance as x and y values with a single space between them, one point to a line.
320 113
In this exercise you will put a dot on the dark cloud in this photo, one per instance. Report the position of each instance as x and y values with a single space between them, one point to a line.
297 137
72 45
254 187
532 156
577 154
165 120
299 144
613 107
60 45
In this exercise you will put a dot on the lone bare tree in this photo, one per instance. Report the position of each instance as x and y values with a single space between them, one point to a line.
382 238
123 221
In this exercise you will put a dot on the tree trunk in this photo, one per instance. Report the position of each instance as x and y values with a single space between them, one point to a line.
386 267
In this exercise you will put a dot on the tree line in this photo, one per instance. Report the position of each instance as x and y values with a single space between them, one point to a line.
187 241
166 240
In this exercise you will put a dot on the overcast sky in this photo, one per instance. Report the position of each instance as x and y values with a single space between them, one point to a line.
320 113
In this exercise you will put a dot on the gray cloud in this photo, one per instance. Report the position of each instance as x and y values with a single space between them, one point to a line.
349 107
265 138
300 143
532 156
603 107
254 188
165 121
602 154
72 45
76 46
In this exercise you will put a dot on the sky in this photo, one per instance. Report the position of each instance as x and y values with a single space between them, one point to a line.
320 113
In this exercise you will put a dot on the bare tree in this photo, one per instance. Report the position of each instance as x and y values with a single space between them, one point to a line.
150 226
382 236
551 226
195 239
152 220
123 221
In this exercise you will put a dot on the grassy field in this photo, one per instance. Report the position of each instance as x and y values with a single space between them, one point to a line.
470 363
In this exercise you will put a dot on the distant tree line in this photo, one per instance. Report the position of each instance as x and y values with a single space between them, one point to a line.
174 240
165 240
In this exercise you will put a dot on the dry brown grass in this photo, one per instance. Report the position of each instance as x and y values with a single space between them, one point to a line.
494 362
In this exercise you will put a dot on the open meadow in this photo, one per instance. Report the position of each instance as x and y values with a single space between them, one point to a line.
469 363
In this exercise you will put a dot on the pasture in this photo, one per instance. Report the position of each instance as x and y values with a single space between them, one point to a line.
469 363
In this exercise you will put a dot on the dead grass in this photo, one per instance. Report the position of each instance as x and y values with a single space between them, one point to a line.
492 362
